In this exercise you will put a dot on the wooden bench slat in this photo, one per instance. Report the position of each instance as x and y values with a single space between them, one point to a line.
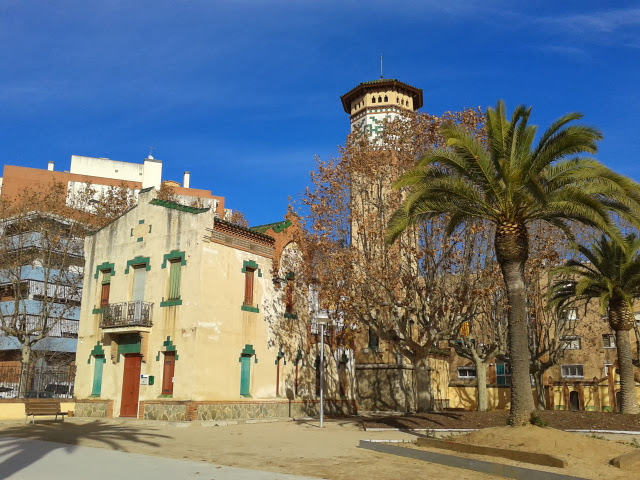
43 408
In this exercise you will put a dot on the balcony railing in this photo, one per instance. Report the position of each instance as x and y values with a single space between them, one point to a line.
52 291
127 314
33 324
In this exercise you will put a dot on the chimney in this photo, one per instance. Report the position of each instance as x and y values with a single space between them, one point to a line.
186 179
50 166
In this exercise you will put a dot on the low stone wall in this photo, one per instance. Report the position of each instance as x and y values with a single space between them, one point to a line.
173 410
241 411
94 408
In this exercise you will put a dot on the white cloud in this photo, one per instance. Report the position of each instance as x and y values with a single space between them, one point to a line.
600 21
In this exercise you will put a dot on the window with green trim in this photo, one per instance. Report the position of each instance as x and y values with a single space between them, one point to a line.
105 288
175 266
248 286
174 260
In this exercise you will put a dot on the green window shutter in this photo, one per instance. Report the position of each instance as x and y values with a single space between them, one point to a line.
174 280
106 276
97 375
245 375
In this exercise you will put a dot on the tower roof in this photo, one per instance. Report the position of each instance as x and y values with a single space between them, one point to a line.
375 85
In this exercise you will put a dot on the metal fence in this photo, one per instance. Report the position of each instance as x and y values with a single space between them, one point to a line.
45 382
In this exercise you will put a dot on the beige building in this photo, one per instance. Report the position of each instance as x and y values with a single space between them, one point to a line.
584 379
186 316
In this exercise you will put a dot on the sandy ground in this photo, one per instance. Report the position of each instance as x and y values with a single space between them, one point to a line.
587 456
285 446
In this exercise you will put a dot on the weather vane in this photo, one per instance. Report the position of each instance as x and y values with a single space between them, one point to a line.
151 149
381 66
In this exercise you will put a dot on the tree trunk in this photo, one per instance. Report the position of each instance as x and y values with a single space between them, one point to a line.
512 245
627 382
424 393
24 371
541 397
481 378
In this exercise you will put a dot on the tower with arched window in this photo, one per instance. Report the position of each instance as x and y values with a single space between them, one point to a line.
370 103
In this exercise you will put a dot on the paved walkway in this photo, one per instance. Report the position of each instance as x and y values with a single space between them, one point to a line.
27 459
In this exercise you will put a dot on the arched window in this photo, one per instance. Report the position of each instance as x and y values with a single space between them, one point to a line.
386 99
373 99
379 99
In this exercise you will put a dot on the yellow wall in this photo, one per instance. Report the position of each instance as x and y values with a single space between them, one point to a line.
466 397
209 329
499 398
393 98
15 410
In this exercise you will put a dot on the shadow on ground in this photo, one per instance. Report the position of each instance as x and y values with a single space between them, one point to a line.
16 453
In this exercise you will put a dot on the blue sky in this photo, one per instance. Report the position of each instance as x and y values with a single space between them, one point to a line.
244 93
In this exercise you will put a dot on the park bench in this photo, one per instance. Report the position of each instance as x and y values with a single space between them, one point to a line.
47 407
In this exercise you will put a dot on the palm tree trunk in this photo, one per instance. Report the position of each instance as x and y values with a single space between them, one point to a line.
521 397
621 320
512 251
625 365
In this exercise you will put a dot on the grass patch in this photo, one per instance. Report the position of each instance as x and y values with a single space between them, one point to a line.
536 420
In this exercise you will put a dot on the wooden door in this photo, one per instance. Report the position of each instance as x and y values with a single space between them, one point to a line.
130 385
167 373
104 297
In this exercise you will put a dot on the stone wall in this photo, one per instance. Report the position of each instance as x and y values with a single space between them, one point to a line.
94 408
262 410
186 410
165 411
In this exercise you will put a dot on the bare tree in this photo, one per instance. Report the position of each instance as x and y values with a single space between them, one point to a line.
484 338
412 294
41 266
550 330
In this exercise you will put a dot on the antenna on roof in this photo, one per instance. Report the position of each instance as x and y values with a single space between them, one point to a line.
151 149
381 66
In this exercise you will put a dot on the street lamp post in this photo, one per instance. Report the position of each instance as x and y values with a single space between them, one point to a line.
321 374
322 321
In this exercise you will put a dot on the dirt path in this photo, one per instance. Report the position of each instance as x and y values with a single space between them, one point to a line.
285 446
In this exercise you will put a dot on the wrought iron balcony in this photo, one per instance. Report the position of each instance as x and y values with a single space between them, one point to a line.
127 314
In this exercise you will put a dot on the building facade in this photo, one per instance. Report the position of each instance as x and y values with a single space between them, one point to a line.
584 379
43 295
185 316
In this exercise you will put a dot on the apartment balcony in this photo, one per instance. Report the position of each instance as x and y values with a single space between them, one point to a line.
127 316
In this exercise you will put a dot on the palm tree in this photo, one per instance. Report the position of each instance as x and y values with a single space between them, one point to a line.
511 182
610 275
